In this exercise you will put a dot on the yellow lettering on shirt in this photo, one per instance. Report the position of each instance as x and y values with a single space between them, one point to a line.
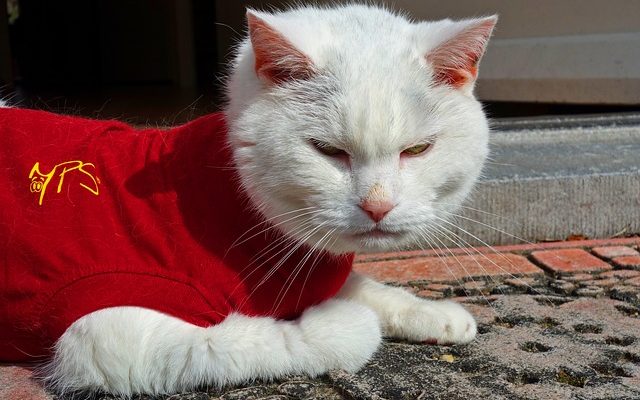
40 181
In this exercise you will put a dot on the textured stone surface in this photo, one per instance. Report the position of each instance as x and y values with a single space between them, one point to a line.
17 383
579 277
429 294
633 281
600 282
622 274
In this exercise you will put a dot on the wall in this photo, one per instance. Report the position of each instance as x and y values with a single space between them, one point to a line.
565 51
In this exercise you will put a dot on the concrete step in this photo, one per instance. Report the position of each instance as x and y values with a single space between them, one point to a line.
549 178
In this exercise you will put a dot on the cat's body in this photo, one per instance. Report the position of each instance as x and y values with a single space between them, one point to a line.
351 130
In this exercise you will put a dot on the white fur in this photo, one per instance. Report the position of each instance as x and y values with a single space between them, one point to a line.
130 350
373 97
403 315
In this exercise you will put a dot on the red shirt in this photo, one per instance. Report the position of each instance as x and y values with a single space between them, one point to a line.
97 214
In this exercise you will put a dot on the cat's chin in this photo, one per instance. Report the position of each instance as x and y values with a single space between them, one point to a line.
375 241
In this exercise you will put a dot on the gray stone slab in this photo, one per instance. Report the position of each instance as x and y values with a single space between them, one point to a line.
567 121
548 184
531 154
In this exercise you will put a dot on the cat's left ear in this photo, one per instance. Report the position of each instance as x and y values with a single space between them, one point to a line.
277 60
455 60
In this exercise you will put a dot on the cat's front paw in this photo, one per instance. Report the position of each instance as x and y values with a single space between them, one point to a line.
342 334
433 322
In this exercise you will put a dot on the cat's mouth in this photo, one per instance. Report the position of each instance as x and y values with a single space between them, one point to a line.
378 233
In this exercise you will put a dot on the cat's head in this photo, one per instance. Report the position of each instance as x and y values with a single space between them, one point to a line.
354 129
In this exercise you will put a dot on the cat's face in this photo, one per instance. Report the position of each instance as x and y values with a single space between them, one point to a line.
355 130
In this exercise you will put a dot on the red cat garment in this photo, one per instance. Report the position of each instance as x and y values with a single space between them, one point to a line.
97 214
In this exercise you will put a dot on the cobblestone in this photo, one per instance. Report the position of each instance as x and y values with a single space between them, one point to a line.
474 288
601 282
430 294
439 287
633 282
590 291
578 277
621 273
563 287
521 282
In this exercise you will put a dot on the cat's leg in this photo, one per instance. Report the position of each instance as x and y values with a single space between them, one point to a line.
403 315
129 350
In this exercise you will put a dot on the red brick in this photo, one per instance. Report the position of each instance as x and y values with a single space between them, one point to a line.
632 241
614 251
449 269
569 260
18 383
627 262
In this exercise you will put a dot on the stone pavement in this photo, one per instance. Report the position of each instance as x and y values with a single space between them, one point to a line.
556 321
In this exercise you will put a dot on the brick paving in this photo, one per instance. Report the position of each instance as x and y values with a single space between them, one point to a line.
448 269
609 252
564 261
556 321
627 262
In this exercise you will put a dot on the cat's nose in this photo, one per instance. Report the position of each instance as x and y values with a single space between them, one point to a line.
376 210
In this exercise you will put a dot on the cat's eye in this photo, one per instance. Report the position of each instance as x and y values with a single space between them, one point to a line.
327 149
417 149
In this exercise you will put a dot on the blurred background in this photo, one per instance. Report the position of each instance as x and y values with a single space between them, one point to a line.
163 61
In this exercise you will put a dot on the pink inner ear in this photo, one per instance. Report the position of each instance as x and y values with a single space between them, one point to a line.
455 62
277 60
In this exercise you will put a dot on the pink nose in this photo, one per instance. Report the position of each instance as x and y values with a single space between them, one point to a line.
376 210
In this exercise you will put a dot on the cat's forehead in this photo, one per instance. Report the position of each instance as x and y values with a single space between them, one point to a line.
358 33
374 57
383 117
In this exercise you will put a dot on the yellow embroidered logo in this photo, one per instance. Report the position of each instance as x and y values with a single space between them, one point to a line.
40 182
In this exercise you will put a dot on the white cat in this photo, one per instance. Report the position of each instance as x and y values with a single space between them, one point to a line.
364 118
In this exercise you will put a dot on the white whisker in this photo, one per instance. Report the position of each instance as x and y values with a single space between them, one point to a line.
440 228
296 271
489 226
488 259
274 269
270 248
314 264
427 238
237 242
